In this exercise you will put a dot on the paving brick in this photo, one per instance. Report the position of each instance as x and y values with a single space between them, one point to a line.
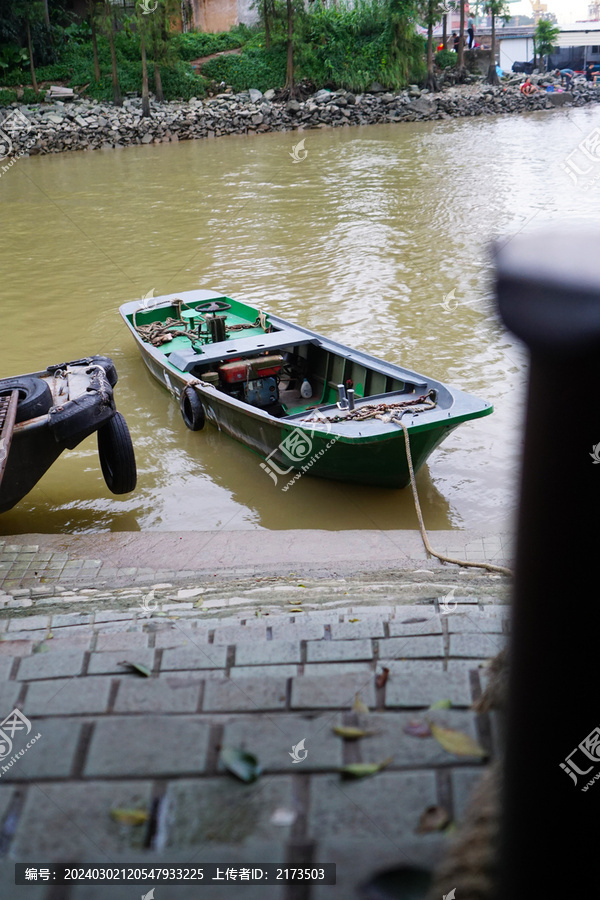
81 821
225 695
66 643
478 645
34 636
51 756
147 746
153 695
364 628
62 620
326 670
302 631
108 663
233 634
218 810
408 751
474 622
111 615
285 670
265 652
128 640
9 692
50 665
65 697
464 781
6 664
425 623
181 637
411 647
31 623
6 795
209 657
271 738
412 688
15 648
339 651
388 805
335 692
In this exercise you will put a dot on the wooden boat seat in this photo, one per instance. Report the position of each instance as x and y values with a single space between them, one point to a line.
186 359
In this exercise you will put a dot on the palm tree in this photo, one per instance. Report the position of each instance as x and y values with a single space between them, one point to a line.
545 35
431 13
495 8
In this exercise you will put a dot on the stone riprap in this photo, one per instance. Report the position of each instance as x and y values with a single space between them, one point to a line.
89 125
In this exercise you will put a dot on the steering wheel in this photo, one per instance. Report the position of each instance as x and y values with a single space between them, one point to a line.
213 306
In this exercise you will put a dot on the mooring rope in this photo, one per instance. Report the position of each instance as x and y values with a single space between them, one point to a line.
385 412
458 562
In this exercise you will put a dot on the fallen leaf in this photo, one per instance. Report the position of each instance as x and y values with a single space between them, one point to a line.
382 677
138 667
350 732
49 636
360 770
296 609
435 818
243 765
257 613
358 706
418 728
199 601
441 704
354 620
129 816
302 585
456 742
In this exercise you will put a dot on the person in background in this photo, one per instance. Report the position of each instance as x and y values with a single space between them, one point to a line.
566 76
528 88
455 41
589 72
471 32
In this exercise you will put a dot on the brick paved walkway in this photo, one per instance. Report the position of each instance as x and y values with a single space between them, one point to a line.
258 665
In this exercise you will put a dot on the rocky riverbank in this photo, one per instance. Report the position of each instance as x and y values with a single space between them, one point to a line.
88 125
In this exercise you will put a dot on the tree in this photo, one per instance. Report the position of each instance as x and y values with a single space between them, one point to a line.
108 22
431 12
460 63
545 36
406 47
26 14
289 75
92 12
495 8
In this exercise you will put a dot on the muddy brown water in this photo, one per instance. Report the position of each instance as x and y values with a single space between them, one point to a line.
378 238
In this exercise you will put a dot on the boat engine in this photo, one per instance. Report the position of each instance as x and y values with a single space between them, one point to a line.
252 380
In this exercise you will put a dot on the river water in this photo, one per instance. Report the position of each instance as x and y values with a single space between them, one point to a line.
379 238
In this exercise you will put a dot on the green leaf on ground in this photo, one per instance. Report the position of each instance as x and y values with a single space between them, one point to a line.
350 732
441 704
358 705
140 668
129 816
361 770
243 765
456 742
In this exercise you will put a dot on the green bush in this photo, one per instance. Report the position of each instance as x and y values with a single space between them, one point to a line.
7 97
55 72
192 45
30 96
253 68
445 59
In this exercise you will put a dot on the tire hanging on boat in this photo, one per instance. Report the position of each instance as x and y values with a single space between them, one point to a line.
35 396
117 458
192 409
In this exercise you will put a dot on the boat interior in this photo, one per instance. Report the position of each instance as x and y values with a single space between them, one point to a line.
268 364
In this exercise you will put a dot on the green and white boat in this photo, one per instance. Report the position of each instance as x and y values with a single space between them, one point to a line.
303 402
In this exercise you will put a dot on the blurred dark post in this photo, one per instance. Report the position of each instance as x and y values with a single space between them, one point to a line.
548 288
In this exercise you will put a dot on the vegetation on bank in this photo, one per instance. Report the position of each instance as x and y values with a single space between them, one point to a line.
109 54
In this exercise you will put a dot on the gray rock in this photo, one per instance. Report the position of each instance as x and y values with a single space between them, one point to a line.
350 99
268 95
257 119
376 88
147 139
292 106
387 98
421 106
322 95
414 91
255 95
557 99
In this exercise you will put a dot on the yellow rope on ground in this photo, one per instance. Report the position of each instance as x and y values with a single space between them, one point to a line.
457 562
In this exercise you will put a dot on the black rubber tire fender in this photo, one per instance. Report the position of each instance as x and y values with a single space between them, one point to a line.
35 396
192 409
108 366
117 457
